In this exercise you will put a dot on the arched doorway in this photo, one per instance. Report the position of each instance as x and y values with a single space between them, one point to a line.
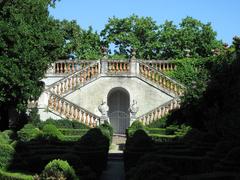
118 102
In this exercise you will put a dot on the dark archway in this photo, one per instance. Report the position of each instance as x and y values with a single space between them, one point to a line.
119 101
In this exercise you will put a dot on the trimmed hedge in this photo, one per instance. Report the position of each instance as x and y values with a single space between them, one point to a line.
50 132
73 132
6 155
14 176
65 123
28 132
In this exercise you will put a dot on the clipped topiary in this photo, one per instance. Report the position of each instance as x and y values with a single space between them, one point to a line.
59 170
50 132
137 125
140 139
107 131
28 132
6 155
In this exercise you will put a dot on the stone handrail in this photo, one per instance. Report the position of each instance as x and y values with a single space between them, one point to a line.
161 65
72 81
160 111
72 111
118 66
158 77
70 66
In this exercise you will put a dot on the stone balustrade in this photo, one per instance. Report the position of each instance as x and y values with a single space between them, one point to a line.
115 66
161 65
164 81
70 66
71 111
74 80
159 112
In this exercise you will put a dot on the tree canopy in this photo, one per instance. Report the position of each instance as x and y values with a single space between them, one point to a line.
29 41
85 44
167 41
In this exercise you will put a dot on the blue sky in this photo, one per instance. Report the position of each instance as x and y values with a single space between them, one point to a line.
223 14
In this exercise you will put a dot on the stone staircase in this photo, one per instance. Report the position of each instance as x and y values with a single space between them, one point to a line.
75 78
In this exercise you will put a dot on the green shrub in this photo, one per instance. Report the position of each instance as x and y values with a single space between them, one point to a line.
134 127
170 130
50 132
28 132
79 125
65 123
4 137
156 130
151 171
34 116
6 155
73 132
137 125
58 168
140 139
160 123
14 176
107 131
163 138
94 138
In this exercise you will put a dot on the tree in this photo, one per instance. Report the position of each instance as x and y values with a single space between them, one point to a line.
29 41
85 44
132 32
191 38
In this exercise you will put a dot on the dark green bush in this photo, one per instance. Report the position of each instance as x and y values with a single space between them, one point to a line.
137 125
107 131
160 123
94 138
28 132
73 132
58 168
6 155
140 139
34 116
170 130
150 171
50 132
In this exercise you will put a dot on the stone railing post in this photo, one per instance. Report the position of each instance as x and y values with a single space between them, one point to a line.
134 64
104 63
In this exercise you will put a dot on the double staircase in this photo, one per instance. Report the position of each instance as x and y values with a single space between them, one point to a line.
77 74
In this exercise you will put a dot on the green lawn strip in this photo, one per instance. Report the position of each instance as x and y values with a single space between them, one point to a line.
14 176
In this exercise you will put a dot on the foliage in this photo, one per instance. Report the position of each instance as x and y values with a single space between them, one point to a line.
34 117
28 132
216 109
5 137
14 176
167 41
50 132
30 41
85 44
150 170
107 131
93 138
65 123
139 139
58 169
160 123
6 155
132 32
